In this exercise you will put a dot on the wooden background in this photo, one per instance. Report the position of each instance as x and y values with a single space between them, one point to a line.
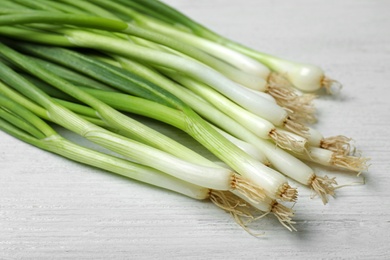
51 208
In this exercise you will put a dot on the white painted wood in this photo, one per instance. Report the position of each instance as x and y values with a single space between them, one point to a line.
51 208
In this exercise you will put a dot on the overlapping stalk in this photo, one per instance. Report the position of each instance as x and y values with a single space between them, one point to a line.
103 58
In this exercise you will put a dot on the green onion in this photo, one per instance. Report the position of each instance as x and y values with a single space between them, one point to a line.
285 97
259 126
284 162
339 143
336 159
111 116
274 183
96 67
136 151
306 77
50 140
256 104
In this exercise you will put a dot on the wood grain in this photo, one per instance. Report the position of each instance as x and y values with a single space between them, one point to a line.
51 208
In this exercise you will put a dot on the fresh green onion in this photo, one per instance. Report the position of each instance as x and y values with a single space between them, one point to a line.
259 126
336 159
284 96
96 67
282 161
338 143
306 77
50 140
274 183
260 106
138 152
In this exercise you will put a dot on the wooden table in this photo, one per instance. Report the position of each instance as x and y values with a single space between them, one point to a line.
51 208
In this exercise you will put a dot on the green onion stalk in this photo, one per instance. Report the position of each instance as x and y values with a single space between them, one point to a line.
282 161
257 125
300 105
275 183
82 38
306 77
21 123
38 133
224 179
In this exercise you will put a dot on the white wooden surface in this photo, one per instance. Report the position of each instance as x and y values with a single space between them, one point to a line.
51 208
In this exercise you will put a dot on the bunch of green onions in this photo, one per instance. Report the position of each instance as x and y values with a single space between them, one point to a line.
95 66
